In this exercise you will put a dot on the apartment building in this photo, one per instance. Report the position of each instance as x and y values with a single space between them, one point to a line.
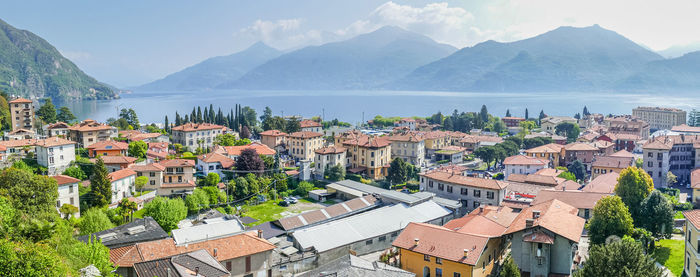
328 157
301 145
551 152
22 114
123 182
691 265
107 148
408 123
521 164
89 131
58 129
214 163
606 164
677 154
471 192
56 154
273 138
197 135
660 118
512 122
582 152
153 171
311 126
369 155
628 125
178 177
410 147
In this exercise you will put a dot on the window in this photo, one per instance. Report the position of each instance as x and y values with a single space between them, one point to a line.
430 184
438 272
394 234
449 189
477 193
476 204
70 189
247 264
463 191
441 186
456 274
426 258
438 260
368 242
152 174
490 194
382 238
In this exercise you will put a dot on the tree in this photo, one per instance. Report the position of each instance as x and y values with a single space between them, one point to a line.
568 176
303 188
398 172
166 125
656 215
138 149
292 125
267 115
30 194
570 130
620 258
484 114
240 189
68 210
335 173
610 217
527 114
129 115
126 208
100 186
212 179
140 183
65 115
47 112
578 169
75 172
508 113
94 220
274 123
268 161
30 259
167 212
197 200
670 179
510 269
540 117
633 185
486 154
245 132
250 161
585 111
527 126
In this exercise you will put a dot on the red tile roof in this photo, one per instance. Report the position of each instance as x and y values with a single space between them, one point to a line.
603 183
693 216
189 184
575 198
177 163
20 100
108 145
121 174
547 148
273 133
90 125
309 123
441 242
579 146
147 167
555 216
695 179
54 141
331 150
622 153
457 179
368 141
613 162
305 134
225 162
64 179
191 127
259 148
525 160
116 159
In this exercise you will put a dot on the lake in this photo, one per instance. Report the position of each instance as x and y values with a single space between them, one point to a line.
350 106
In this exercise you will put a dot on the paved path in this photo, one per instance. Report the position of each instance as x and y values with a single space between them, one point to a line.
667 272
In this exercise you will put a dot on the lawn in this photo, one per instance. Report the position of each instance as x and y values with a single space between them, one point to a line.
669 253
678 215
268 211
139 213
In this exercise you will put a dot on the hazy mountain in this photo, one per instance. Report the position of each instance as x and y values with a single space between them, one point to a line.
679 74
679 50
565 59
365 61
215 71
31 67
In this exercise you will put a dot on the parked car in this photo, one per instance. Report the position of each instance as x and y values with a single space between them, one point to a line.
283 203
291 200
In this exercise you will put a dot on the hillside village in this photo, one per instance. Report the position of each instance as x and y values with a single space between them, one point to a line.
463 194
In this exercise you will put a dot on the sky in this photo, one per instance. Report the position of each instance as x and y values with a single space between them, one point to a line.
131 42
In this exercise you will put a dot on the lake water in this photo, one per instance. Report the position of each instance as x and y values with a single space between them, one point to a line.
349 106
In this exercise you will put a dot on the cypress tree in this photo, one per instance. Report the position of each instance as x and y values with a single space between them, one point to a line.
167 125
527 116
178 119
508 113
100 185
193 115
199 115
212 116
205 115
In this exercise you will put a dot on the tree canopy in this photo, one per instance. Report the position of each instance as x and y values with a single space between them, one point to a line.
633 185
138 149
250 161
167 212
610 217
47 112
100 186
656 215
570 130
620 258
335 173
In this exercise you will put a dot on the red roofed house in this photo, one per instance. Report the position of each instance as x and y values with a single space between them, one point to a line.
153 171
214 162
328 157
56 154
311 126
370 155
471 192
67 192
273 138
512 121
178 177
115 163
522 164
579 151
234 151
301 145
89 131
157 151
122 184
196 135
108 148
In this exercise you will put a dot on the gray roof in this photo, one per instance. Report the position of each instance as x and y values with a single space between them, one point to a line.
353 266
140 230
207 231
410 199
182 265
332 212
269 230
370 224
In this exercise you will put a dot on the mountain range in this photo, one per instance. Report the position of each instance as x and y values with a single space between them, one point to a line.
32 67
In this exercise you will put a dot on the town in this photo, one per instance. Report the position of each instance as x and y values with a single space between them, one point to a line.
242 193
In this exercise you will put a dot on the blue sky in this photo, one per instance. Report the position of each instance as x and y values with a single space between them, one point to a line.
128 43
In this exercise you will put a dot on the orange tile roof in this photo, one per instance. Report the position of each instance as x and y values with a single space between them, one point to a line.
18 143
369 141
331 150
614 162
476 139
547 148
54 141
116 159
90 125
695 179
309 123
108 145
693 216
305 134
465 180
64 179
549 172
162 145
225 162
555 216
189 184
603 183
20 131
259 148
273 133
121 174
579 146
177 163
575 198
622 153
685 128
407 137
58 125
441 242
524 160
489 221
20 100
125 256
191 127
147 167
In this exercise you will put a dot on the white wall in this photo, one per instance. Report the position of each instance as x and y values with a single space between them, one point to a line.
56 158
122 188
66 193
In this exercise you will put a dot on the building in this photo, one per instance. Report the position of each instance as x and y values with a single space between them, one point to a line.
621 141
434 141
549 124
311 126
677 154
140 230
58 129
452 154
234 151
197 262
122 184
115 163
135 135
628 125
16 148
273 138
579 151
67 192
178 177
512 122
686 130
354 206
471 192
545 237
349 189
157 151
56 154
551 152
328 157
660 118
410 147
301 145
20 134
89 131
691 265
21 114
108 148
605 164
583 201
214 163
522 164
604 183
197 135
154 173
353 266
695 185
369 155
407 123
473 142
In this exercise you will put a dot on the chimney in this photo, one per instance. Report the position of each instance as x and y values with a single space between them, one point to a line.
481 209
216 251
168 274
563 188
529 222
415 242
466 253
535 214
196 271
260 233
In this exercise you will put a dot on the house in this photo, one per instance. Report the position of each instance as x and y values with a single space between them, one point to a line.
695 185
21 114
197 135
551 152
628 125
434 141
328 157
214 163
471 192
674 153
621 141
604 183
108 148
353 266
89 131
140 230
154 173
115 163
67 192
18 147
524 188
369 155
410 147
692 243
579 151
58 129
56 154
512 121
178 177
544 238
273 138
134 135
522 164
408 123
452 154
197 262
605 148
605 164
234 151
20 134
660 118
583 201
301 145
243 254
472 142
311 126
122 184
549 124
157 151
686 130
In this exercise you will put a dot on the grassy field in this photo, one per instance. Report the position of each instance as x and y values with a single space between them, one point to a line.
670 254
139 213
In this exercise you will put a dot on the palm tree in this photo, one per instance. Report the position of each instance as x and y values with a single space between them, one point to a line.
127 208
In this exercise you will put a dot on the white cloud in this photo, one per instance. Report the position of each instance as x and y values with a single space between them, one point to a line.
283 33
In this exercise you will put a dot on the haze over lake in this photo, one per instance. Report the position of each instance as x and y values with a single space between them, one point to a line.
349 105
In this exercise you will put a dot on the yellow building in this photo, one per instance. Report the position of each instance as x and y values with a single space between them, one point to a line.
436 140
695 185
606 164
301 145
551 152
369 155
692 241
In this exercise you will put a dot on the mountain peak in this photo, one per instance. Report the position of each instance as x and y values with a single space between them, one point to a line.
260 45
